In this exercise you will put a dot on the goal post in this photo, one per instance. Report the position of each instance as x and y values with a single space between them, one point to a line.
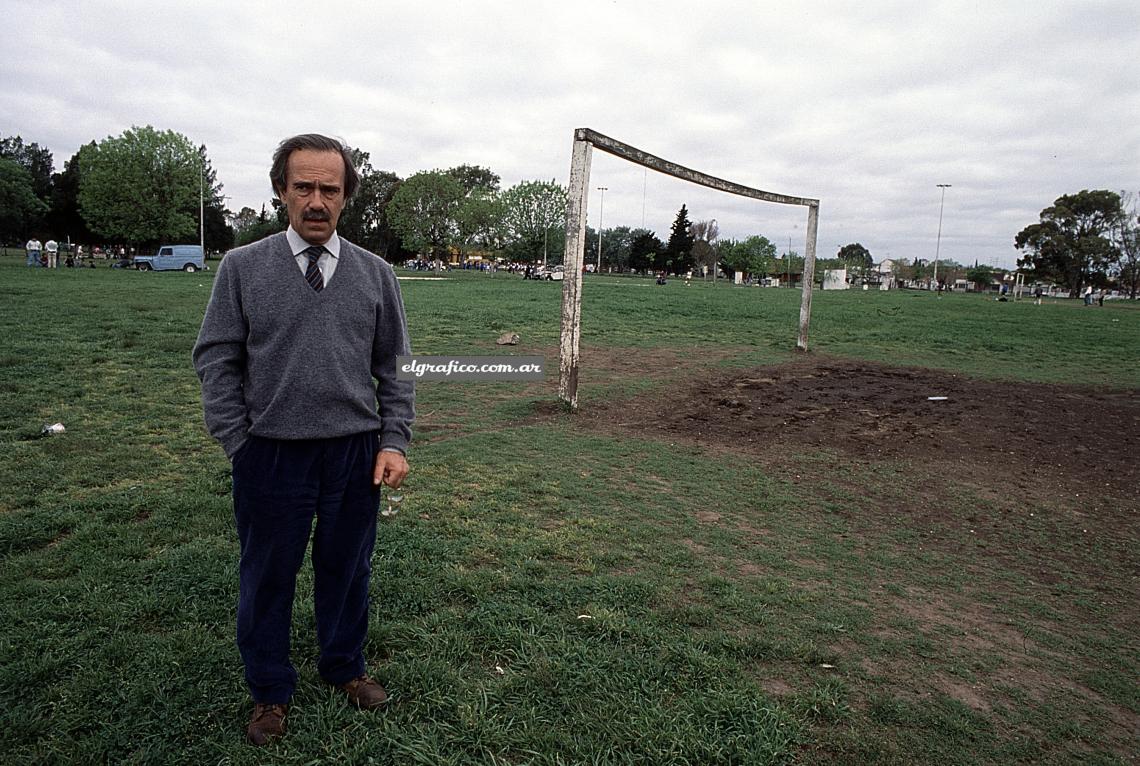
585 140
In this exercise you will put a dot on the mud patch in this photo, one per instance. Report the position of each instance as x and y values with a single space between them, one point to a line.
1032 433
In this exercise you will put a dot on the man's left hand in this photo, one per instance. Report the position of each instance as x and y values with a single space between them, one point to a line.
391 468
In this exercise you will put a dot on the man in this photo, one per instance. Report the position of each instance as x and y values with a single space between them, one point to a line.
33 249
51 247
297 358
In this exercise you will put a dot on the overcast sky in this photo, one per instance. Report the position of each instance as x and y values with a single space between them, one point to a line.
865 106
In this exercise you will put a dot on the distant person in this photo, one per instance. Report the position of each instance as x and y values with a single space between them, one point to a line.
32 250
297 358
1100 298
1088 295
51 247
1037 292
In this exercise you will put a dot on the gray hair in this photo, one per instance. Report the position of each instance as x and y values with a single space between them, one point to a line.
319 143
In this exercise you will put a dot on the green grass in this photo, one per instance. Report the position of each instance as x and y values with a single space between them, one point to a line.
551 595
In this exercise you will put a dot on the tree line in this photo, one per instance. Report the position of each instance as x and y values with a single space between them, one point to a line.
147 187
142 188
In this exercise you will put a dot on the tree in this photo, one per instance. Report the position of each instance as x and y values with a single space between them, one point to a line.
678 254
1070 245
364 220
142 187
1126 236
245 219
20 208
424 212
617 244
473 177
982 276
35 159
480 221
856 257
533 216
755 255
250 226
705 235
645 251
64 219
218 234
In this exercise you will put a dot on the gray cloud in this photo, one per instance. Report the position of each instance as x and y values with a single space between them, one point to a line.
864 106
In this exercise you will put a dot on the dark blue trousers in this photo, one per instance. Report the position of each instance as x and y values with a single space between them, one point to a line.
279 487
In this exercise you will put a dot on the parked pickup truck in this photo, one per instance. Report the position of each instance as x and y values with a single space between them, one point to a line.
173 258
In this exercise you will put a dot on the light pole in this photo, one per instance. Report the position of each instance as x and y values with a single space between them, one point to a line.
938 242
601 212
715 254
202 208
202 197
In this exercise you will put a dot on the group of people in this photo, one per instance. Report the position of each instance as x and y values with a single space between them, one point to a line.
44 255
1091 295
53 255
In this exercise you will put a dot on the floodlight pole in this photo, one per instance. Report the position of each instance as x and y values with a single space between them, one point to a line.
601 212
715 254
938 242
202 208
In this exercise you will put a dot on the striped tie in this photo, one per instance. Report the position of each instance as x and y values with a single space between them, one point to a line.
313 272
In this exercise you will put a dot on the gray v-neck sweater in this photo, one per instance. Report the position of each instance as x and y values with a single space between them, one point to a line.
280 360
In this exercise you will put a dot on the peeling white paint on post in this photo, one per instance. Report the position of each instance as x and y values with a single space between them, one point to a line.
808 277
574 255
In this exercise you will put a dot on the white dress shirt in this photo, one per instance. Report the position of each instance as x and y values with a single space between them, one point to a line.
326 263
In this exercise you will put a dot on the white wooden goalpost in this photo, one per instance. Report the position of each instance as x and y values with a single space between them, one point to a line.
584 142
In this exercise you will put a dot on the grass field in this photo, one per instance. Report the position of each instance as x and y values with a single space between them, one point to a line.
559 591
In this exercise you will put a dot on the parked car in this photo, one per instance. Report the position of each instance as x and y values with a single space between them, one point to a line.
552 274
173 258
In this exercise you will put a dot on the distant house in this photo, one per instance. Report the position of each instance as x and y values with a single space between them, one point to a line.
883 274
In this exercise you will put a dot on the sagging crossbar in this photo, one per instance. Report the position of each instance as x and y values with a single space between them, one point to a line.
584 141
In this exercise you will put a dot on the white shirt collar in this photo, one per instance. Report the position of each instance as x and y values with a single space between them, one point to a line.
298 245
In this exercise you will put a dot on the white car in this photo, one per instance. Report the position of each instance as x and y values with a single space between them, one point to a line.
552 274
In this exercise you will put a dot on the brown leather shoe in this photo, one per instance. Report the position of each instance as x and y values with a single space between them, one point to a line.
267 722
365 693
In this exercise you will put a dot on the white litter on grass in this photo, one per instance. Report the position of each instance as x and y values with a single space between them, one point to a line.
54 428
937 398
825 665
585 617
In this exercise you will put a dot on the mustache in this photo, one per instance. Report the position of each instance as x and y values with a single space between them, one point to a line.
315 215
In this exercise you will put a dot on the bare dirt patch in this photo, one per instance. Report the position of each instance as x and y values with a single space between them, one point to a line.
1030 432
